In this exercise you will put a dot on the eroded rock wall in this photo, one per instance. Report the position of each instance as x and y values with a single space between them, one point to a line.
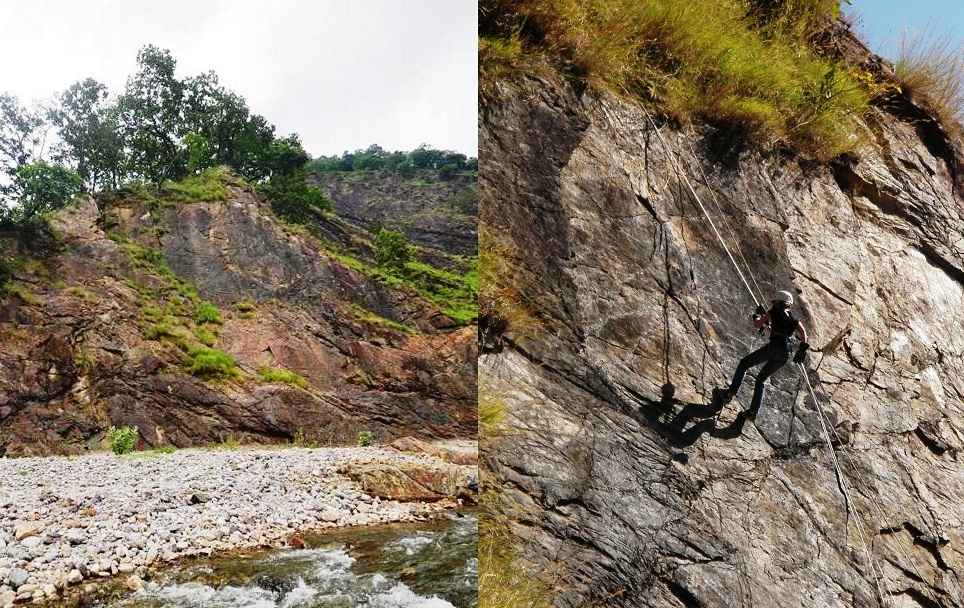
76 353
647 499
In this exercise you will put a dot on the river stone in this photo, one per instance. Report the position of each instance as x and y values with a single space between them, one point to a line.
75 536
26 530
17 577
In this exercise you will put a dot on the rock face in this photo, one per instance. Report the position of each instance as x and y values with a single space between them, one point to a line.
432 212
648 496
100 330
414 480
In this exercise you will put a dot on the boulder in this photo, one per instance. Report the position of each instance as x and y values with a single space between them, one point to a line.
413 481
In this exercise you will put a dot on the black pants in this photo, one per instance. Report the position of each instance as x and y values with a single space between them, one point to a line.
774 355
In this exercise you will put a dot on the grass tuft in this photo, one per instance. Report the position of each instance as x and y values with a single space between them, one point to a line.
210 363
207 313
208 186
285 376
21 291
932 69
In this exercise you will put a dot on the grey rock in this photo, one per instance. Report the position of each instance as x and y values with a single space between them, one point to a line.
17 577
648 498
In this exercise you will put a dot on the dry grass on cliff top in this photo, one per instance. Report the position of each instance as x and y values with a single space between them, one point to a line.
932 68
746 62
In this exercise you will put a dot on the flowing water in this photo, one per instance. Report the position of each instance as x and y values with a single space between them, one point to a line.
429 565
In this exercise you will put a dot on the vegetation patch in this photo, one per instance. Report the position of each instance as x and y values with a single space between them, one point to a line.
363 314
208 186
210 363
505 579
122 439
207 313
82 293
205 336
456 295
285 376
366 438
21 291
502 304
932 69
750 63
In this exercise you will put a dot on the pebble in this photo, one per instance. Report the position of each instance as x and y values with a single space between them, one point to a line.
98 515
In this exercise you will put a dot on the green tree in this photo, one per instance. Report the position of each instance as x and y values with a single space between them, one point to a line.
44 187
392 249
21 139
200 153
293 199
89 134
150 116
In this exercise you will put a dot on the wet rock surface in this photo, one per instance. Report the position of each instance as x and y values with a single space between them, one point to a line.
64 521
649 496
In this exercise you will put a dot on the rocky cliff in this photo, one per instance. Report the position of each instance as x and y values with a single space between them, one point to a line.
199 322
435 213
618 476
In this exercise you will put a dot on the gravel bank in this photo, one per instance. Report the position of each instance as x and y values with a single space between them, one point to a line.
67 520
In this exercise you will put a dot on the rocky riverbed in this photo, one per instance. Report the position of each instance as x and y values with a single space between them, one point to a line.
67 520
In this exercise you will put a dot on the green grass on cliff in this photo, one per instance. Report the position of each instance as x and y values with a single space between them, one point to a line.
367 316
208 186
456 295
284 376
751 63
505 579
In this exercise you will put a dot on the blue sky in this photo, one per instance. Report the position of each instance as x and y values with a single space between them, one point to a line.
882 21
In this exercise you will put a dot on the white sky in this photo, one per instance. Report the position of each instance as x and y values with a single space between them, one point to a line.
342 74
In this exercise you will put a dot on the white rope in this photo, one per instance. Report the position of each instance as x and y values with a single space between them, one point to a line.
726 223
904 551
700 203
877 572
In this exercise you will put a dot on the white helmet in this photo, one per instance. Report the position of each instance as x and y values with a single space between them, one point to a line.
783 296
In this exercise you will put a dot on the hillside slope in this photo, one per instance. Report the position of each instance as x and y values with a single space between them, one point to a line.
638 497
131 312
434 213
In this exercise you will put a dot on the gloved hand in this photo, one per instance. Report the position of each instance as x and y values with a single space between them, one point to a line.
801 355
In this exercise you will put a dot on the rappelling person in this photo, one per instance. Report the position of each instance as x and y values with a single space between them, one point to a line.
781 323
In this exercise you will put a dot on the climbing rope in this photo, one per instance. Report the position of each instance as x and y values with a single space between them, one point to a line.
699 202
726 224
876 570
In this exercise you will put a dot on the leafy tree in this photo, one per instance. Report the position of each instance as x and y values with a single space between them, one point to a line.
448 171
21 139
89 134
150 116
392 249
44 187
293 199
235 137
200 154
406 169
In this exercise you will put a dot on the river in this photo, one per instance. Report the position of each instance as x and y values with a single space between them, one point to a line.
424 565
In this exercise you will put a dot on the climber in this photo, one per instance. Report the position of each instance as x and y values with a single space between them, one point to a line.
782 325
